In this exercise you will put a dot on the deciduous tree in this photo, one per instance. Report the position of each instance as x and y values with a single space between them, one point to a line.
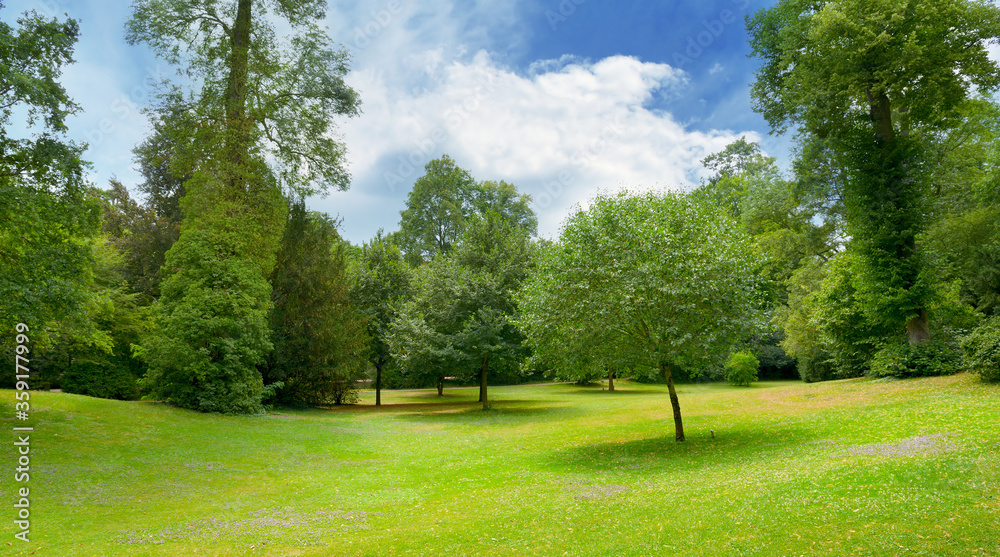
873 80
661 278
381 284
48 216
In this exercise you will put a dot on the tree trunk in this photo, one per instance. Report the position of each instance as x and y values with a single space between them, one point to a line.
918 329
483 395
236 85
674 402
881 114
378 384
918 326
440 386
611 379
238 128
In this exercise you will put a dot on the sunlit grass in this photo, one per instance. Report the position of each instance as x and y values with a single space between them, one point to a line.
849 467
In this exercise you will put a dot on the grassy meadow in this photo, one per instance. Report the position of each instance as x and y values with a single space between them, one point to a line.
854 467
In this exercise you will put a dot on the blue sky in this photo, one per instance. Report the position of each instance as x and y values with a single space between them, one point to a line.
563 98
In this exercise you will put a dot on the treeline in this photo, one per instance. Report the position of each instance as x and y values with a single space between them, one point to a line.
877 253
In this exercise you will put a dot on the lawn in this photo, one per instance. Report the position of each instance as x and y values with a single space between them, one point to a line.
848 467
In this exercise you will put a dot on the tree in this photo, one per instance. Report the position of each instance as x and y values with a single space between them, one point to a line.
499 253
785 218
90 353
211 324
872 80
263 120
380 286
262 92
48 216
662 278
460 319
502 198
142 234
318 331
435 212
444 199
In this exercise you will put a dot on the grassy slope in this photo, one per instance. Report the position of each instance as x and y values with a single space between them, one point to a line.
552 469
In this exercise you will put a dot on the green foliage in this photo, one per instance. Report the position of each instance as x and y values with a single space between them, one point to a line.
47 213
142 235
786 218
75 352
932 358
653 277
100 380
283 93
968 245
741 369
211 328
444 199
318 333
875 84
435 212
459 321
824 62
644 281
982 350
380 285
827 330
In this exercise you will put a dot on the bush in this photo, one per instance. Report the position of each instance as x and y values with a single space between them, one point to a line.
901 360
741 369
982 350
100 380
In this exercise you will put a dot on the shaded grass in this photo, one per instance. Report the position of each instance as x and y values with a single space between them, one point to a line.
550 469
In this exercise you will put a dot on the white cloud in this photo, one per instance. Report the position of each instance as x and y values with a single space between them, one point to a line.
561 132
434 77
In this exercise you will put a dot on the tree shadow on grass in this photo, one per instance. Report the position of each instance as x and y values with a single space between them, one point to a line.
597 390
699 450
503 410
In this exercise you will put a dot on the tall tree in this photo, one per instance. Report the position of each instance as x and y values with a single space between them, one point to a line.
319 334
873 80
444 199
460 319
48 216
263 120
381 285
661 278
261 92
435 212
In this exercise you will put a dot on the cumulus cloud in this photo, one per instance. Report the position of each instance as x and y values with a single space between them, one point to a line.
560 131
435 77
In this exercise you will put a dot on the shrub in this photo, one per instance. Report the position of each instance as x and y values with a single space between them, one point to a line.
741 369
100 379
935 357
982 350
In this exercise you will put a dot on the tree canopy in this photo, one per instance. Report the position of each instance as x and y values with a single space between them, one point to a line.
660 278
47 211
874 81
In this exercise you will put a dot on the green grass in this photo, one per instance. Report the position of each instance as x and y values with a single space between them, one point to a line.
840 468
